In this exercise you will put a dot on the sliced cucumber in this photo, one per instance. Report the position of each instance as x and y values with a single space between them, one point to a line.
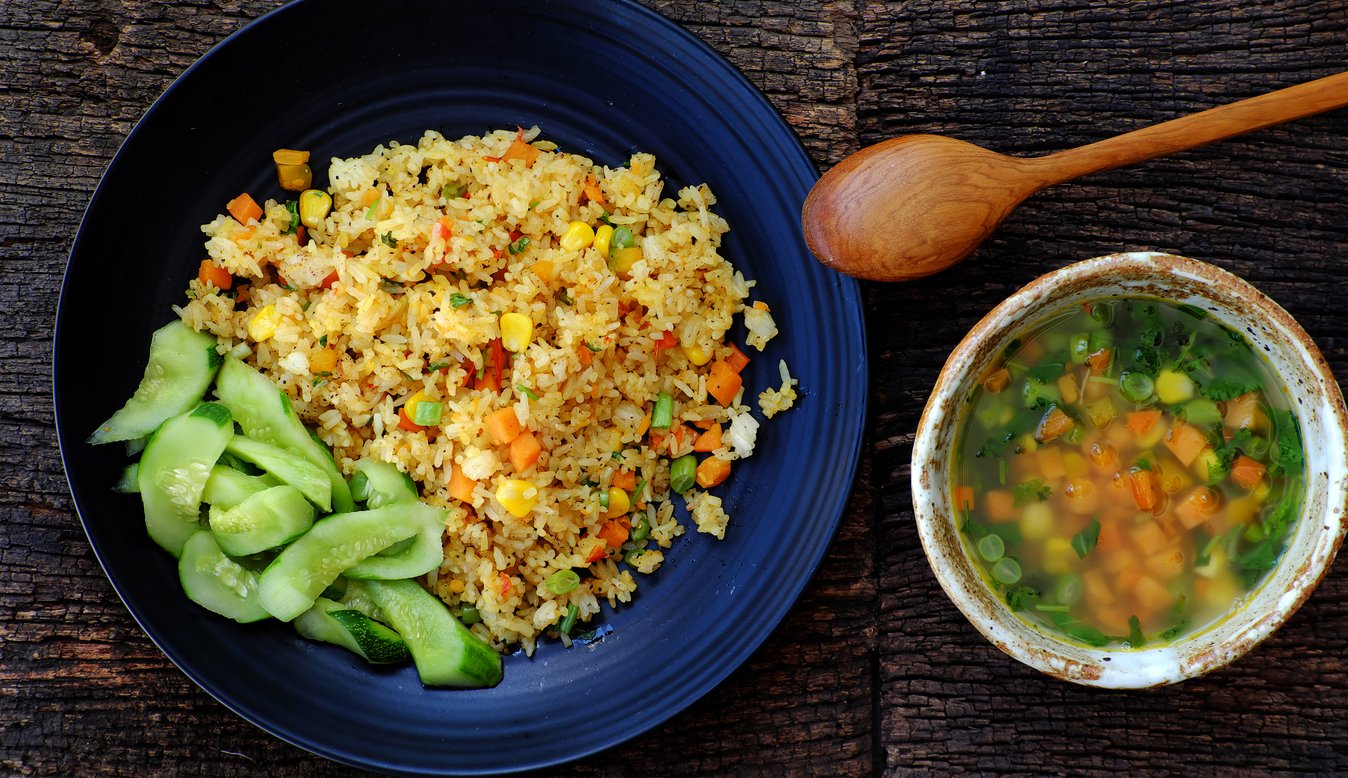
286 467
426 552
332 622
268 519
228 487
173 472
181 365
264 412
129 483
355 597
381 483
306 567
218 583
445 652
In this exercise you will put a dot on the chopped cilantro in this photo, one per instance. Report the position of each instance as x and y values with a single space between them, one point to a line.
1032 490
319 382
1086 539
453 190
389 240
1022 598
434 366
533 204
1175 629
293 206
1193 310
1135 637
458 300
1078 631
323 340
1227 389
592 347
565 298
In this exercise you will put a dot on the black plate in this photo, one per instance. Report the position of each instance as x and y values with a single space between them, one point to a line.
602 79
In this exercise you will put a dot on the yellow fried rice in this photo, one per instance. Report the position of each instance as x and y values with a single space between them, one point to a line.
409 310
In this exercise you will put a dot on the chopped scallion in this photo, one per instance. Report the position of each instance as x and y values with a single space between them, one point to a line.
683 473
526 391
562 581
663 415
427 413
519 246
569 621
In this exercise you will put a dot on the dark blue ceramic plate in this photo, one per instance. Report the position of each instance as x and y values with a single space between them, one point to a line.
601 78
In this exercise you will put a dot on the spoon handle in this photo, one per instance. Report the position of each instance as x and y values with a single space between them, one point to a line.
1214 124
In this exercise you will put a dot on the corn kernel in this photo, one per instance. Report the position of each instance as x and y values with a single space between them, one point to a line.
323 361
264 323
603 237
697 355
578 237
457 586
618 503
314 207
624 259
517 331
517 496
410 407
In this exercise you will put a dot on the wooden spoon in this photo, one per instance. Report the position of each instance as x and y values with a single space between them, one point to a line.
917 204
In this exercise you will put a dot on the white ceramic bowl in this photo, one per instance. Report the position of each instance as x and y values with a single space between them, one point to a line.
1315 398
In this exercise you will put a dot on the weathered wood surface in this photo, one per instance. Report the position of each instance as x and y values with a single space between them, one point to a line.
874 671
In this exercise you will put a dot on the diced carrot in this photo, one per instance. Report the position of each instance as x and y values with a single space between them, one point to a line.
1185 441
1100 359
244 209
586 356
737 360
1051 464
406 423
493 369
1247 472
444 228
1141 422
544 269
505 583
592 190
302 235
1054 425
1148 537
615 533
519 149
211 273
997 381
1152 594
712 471
524 451
1067 385
1111 537
625 480
999 505
1145 491
723 383
1197 507
502 426
964 498
329 280
461 486
597 553
242 294
667 340
708 441
645 424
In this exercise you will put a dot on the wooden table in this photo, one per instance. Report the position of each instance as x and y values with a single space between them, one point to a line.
874 671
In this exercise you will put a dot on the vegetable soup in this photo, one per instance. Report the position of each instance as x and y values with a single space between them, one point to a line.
1127 472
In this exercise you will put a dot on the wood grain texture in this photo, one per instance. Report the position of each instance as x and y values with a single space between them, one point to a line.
874 671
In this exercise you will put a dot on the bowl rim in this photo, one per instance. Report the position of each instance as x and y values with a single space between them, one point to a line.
1196 653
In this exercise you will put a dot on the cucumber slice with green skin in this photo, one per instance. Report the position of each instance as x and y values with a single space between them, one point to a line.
218 583
286 467
445 652
181 365
228 487
426 553
332 622
264 412
129 484
306 567
381 483
268 519
355 597
173 473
